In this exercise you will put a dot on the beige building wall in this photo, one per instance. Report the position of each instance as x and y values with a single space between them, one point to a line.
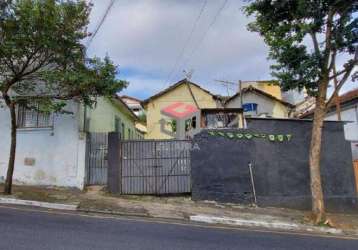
265 86
179 94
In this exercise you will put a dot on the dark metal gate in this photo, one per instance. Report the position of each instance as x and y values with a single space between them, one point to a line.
97 163
155 166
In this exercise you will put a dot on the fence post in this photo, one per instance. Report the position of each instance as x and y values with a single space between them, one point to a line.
87 157
114 173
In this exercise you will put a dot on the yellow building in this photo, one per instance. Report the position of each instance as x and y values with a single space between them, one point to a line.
270 87
183 91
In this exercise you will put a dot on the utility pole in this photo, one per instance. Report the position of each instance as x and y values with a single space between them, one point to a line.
241 119
239 91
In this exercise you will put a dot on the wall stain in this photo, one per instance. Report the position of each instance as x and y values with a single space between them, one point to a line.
39 175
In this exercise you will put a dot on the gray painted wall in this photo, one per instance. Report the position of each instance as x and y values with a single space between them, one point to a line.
281 172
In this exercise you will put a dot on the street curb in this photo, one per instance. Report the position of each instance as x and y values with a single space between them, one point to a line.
111 212
13 201
201 218
268 225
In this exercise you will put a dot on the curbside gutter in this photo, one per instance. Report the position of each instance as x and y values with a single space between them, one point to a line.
13 201
278 225
201 218
112 212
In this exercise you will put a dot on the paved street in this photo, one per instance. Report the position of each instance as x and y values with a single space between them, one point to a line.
24 229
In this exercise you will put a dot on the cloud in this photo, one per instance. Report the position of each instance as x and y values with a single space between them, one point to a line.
144 37
140 86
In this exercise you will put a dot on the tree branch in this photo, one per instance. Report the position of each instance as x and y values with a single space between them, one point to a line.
337 74
328 48
348 71
69 96
10 65
315 43
333 61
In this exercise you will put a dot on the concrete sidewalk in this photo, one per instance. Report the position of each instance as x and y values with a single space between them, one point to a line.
97 200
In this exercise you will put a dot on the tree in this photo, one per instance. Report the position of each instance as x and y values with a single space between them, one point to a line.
304 38
43 61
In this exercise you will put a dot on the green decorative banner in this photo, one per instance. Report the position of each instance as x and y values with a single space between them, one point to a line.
249 136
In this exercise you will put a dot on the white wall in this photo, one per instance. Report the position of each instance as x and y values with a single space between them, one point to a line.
59 153
265 105
349 114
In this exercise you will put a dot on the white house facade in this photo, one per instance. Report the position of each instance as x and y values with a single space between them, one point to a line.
257 103
349 115
50 149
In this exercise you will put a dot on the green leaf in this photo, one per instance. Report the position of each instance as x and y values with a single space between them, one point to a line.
230 135
272 137
249 136
280 138
221 133
44 39
212 133
289 27
289 137
239 135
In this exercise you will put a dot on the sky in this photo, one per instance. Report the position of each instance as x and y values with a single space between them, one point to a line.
154 41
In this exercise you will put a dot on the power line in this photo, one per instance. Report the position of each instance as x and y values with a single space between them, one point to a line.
206 33
181 54
100 23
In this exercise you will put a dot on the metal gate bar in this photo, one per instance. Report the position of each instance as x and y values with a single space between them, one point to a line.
155 166
97 144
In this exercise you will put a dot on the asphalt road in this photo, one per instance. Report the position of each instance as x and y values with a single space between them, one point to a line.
25 229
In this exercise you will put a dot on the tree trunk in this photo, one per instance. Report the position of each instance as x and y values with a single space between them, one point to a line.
318 208
11 164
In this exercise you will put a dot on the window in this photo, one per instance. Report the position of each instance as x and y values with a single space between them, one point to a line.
173 125
31 118
219 118
190 123
123 131
249 107
117 124
129 134
193 122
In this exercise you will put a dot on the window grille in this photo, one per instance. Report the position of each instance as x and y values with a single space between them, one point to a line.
31 118
220 118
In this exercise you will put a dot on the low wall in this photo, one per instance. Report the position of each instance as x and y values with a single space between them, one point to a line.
278 151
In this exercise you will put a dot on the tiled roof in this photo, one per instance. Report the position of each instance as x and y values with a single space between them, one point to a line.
120 101
130 98
173 87
343 99
261 92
